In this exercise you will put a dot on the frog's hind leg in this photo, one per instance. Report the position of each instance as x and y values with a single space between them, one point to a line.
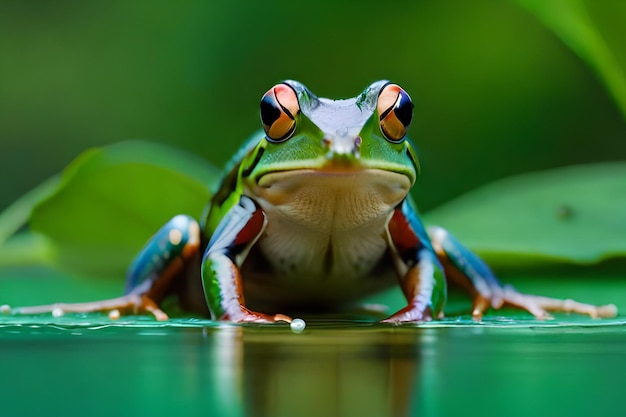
149 277
465 269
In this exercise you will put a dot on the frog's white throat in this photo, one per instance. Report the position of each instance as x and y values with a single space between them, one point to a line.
331 200
338 215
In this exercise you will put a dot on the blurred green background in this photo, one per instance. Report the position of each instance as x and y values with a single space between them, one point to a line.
496 92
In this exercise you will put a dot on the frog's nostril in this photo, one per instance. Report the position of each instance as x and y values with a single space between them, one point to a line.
343 148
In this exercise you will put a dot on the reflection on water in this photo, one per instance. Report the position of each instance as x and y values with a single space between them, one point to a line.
332 369
338 372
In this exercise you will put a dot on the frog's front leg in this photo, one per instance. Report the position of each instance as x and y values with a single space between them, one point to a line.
419 272
149 277
466 269
221 275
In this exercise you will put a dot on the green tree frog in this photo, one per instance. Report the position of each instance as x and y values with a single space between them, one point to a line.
315 213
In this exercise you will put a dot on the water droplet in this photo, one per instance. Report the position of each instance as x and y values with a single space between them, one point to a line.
297 325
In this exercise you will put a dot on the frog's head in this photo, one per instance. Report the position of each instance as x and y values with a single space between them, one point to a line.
303 131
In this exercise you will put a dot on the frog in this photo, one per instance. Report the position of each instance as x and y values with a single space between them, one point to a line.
314 213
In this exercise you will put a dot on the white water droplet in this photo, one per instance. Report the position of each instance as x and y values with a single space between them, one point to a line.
297 325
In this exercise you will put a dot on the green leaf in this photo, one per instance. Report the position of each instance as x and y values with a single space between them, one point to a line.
574 214
590 36
111 200
14 217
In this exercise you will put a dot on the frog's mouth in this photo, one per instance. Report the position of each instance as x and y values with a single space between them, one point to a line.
367 190
336 166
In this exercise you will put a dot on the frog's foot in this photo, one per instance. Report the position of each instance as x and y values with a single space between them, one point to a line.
129 304
413 313
244 315
540 306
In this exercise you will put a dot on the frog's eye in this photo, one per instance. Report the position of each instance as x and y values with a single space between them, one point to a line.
279 108
396 111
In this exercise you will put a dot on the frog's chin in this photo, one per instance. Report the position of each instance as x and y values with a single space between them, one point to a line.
375 191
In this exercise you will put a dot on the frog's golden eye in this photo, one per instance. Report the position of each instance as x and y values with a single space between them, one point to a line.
279 108
395 110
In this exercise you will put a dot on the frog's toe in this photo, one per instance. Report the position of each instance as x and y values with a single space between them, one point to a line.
159 315
244 315
510 297
540 306
115 307
607 311
480 305
409 314
138 305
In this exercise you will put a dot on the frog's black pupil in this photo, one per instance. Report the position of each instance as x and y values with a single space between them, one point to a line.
404 109
269 111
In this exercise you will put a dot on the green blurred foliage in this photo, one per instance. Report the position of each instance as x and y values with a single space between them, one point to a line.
495 91
591 36
105 207
566 215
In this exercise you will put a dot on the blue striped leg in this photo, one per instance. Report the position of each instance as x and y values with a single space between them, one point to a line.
149 276
467 270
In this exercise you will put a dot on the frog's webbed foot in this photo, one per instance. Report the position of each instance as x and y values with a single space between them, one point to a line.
409 314
467 270
245 315
540 306
115 307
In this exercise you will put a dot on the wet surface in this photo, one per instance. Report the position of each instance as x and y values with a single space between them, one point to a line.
507 365
77 365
